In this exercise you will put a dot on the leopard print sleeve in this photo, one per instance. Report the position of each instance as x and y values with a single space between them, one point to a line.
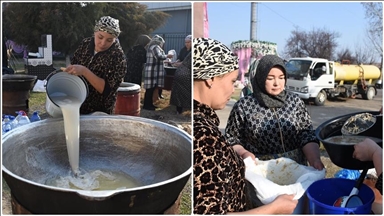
219 183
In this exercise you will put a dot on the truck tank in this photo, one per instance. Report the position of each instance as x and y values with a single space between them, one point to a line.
352 72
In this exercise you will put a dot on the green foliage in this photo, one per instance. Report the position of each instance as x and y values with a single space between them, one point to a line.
134 20
70 22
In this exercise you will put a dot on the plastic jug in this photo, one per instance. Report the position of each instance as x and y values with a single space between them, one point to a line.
63 84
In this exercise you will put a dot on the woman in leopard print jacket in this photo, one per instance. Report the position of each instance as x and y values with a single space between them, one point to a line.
101 61
218 171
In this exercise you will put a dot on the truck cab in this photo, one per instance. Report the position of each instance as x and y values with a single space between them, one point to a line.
310 77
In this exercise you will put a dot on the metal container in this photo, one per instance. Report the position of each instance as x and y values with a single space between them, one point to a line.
340 154
64 84
355 72
156 154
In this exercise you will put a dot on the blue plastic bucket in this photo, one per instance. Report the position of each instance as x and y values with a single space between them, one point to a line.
323 193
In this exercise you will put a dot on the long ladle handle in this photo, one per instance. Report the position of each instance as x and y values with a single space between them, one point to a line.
356 188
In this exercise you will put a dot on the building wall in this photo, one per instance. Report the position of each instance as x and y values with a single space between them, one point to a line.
178 25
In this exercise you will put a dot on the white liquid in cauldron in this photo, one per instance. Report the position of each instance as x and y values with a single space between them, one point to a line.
70 107
349 140
95 180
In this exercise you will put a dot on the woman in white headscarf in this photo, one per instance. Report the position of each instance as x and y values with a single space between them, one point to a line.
184 51
154 71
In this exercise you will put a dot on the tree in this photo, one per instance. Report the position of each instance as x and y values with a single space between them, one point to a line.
374 14
69 23
317 43
134 19
345 54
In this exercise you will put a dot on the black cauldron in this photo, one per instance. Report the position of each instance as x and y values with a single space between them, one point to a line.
340 154
16 92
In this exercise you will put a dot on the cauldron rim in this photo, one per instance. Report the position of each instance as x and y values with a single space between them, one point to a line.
18 78
101 193
322 125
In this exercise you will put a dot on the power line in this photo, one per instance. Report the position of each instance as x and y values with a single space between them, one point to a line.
294 25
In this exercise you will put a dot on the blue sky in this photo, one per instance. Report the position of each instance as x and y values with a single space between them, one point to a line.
230 21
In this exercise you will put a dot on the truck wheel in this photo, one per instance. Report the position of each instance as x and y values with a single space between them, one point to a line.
321 98
370 93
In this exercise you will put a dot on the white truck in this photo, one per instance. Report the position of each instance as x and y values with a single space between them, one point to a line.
316 79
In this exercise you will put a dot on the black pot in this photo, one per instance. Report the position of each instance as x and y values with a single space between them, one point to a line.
156 154
341 155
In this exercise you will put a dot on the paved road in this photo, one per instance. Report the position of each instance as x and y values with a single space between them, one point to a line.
331 109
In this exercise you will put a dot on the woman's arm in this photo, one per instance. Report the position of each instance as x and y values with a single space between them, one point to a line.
312 153
283 204
310 144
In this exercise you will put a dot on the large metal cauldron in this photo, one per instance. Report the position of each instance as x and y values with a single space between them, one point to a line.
155 153
341 155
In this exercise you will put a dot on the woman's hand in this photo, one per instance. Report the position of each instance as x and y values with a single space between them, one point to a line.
312 153
78 70
364 150
242 152
317 164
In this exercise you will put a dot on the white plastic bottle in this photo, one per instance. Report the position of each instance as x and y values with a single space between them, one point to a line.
22 119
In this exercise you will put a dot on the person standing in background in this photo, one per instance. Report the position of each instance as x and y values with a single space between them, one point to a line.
154 71
136 58
181 94
184 51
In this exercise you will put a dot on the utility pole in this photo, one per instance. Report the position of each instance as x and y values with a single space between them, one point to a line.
253 21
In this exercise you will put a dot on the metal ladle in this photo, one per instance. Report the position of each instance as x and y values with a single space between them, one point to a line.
358 123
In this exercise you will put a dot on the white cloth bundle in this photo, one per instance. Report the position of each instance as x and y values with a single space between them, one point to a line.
280 176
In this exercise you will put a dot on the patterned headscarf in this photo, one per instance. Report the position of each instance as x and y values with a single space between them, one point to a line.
109 25
211 58
158 40
264 65
188 38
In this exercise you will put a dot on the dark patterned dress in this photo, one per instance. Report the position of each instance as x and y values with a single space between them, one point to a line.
181 94
136 58
183 53
219 173
110 65
271 133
